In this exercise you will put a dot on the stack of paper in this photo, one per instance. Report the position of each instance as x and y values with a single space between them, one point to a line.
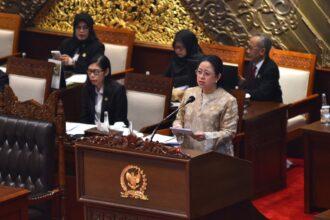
169 140
73 128
76 78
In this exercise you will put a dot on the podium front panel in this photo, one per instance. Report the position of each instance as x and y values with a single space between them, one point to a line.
103 175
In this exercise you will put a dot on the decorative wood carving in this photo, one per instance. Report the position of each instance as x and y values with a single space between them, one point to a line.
25 8
132 143
29 109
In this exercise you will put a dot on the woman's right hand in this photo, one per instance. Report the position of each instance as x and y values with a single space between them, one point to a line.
66 59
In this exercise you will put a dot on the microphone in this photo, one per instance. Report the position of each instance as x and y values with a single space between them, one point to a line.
189 100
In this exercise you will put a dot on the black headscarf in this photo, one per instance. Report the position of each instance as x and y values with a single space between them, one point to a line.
182 69
85 17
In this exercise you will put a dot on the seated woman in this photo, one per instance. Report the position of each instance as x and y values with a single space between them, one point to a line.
187 56
213 116
78 51
101 94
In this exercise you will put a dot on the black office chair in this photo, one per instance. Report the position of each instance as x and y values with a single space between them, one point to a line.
27 150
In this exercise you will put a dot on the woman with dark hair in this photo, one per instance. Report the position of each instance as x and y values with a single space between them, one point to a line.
101 94
187 55
213 116
82 47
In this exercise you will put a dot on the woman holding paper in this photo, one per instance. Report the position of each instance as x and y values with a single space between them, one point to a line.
101 94
77 52
213 116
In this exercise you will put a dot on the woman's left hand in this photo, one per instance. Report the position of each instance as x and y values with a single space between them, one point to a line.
199 136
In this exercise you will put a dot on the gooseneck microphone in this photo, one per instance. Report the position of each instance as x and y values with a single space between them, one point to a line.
189 100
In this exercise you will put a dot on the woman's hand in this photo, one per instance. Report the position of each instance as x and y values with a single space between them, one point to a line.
66 59
176 126
199 136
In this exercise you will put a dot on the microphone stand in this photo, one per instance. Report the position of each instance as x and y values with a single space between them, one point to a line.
168 116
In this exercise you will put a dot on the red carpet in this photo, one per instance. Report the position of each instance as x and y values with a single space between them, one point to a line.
287 204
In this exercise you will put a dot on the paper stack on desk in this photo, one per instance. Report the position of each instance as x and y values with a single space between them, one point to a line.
73 128
168 140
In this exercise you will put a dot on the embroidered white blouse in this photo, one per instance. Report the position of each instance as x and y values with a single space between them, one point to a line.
215 114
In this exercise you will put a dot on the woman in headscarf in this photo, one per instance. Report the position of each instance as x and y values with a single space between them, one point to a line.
187 56
78 51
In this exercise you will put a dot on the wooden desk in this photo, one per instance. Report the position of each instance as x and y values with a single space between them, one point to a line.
13 203
317 166
264 125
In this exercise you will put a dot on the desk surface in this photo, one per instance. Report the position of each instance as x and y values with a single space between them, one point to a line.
8 193
13 203
256 109
317 127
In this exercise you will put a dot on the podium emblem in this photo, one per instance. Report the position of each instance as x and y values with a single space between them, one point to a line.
133 181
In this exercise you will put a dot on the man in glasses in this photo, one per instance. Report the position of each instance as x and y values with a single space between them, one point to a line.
261 78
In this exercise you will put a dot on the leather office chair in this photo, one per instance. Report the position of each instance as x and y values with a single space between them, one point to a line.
29 78
296 80
148 99
10 25
118 48
29 133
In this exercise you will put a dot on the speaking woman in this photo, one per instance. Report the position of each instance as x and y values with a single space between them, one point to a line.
213 116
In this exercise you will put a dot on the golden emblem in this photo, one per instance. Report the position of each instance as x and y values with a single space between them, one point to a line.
134 183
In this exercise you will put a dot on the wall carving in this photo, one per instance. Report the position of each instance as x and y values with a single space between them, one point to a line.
153 20
27 9
292 24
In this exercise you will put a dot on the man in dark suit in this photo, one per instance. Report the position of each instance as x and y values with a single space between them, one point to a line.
261 79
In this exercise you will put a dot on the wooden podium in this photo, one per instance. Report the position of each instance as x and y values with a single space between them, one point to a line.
126 178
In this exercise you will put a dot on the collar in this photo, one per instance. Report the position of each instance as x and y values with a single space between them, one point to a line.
259 64
100 92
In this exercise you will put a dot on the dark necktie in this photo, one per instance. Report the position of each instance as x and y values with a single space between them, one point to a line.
253 76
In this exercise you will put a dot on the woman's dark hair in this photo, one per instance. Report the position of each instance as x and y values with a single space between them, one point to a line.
85 17
189 41
103 62
217 65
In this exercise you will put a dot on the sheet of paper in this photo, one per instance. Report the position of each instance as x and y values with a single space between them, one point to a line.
74 128
76 78
186 131
57 73
163 139
3 68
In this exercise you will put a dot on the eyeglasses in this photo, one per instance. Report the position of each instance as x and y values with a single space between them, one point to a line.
95 72
249 47
82 27
205 73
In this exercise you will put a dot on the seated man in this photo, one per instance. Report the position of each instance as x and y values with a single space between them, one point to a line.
262 76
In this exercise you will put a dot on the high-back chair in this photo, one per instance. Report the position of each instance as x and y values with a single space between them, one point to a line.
29 133
118 48
233 60
296 80
29 78
10 25
148 98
